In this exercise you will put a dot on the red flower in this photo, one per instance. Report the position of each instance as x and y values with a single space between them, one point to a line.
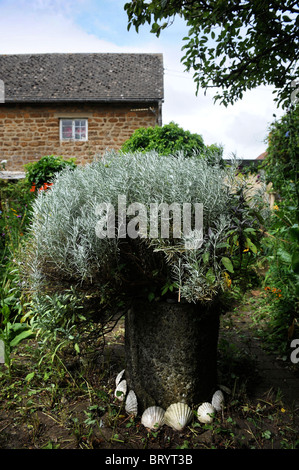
45 186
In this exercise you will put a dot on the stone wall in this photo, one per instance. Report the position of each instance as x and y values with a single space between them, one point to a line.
28 132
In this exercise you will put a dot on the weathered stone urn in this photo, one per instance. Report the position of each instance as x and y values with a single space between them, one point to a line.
171 352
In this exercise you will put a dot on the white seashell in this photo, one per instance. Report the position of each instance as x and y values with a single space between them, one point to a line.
218 400
204 411
153 417
131 403
121 390
178 415
119 377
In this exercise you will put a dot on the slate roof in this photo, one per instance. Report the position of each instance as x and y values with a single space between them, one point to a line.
82 77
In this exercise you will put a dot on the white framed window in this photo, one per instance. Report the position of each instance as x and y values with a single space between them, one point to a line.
73 129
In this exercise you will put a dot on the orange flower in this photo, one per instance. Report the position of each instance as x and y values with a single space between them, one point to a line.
32 188
228 280
45 186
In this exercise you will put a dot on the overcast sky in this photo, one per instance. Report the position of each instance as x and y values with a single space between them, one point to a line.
40 26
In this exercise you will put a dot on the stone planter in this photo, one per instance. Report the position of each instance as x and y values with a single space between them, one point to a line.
171 352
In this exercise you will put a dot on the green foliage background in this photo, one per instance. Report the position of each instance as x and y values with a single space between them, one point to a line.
281 246
231 46
169 139
44 170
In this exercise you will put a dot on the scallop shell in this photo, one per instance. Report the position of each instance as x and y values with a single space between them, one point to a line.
153 417
218 400
131 406
178 415
121 387
119 377
204 411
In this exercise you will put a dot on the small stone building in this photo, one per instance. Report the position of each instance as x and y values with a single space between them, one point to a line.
75 105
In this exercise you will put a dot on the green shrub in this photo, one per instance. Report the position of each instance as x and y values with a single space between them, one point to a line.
43 171
15 205
167 140
281 246
282 160
15 202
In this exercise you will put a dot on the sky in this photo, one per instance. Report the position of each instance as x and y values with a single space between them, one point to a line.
45 26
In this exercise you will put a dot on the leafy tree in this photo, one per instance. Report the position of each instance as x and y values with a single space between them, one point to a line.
165 140
282 159
232 45
169 139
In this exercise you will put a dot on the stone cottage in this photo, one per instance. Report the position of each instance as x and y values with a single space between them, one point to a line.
75 105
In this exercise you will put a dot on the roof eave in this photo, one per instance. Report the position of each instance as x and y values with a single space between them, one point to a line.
83 100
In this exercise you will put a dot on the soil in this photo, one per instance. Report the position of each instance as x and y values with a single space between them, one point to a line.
274 373
261 403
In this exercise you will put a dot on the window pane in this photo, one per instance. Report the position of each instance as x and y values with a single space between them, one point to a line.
80 129
66 129
74 129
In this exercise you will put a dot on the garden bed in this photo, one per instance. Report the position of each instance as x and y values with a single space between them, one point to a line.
59 389
70 404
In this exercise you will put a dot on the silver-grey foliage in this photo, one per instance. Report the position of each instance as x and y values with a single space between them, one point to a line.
64 244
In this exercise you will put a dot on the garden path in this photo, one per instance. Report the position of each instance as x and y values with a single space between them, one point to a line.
276 375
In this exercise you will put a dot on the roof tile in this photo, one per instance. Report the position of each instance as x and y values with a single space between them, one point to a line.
82 77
